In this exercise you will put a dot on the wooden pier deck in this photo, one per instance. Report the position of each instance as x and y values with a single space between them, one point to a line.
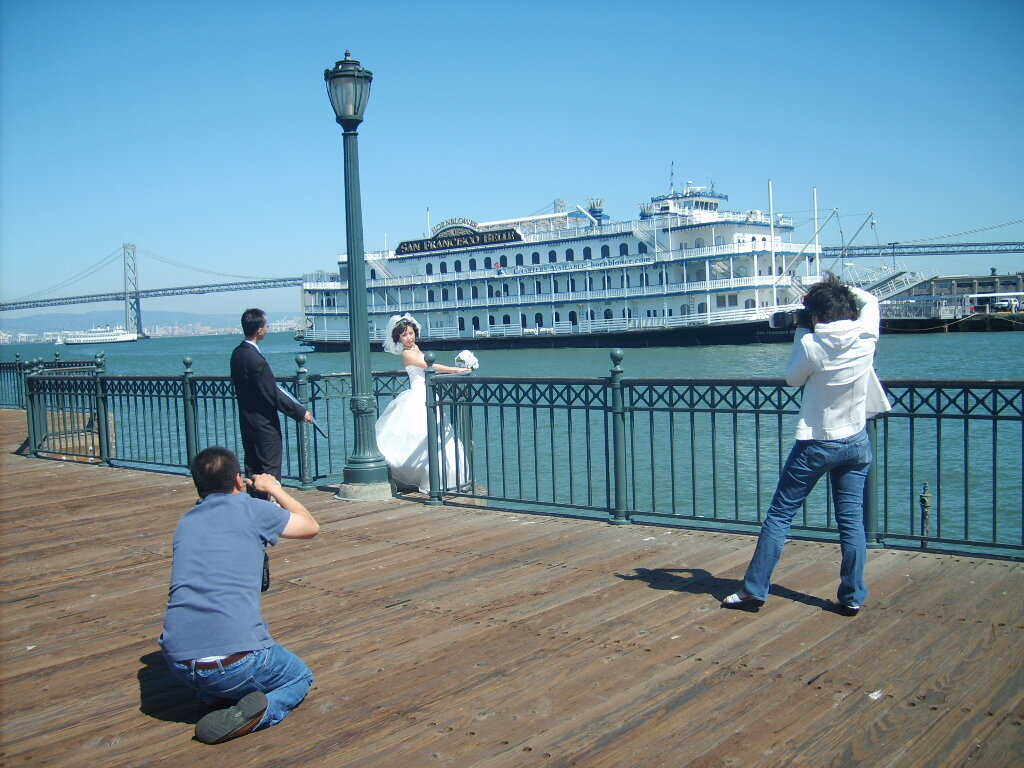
465 636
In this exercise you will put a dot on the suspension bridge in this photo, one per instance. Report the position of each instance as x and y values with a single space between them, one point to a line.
132 294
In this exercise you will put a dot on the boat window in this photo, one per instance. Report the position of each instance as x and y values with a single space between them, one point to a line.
569 255
444 294
535 258
554 288
698 243
623 249
557 317
586 254
474 292
702 308
684 310
458 292
487 263
490 320
430 268
444 267
504 260
373 274
522 321
627 312
458 265
462 323
430 295
537 287
573 319
519 259
506 319
572 285
538 319
552 257
608 314
641 248
719 240
490 291
748 304
605 252
476 323
472 265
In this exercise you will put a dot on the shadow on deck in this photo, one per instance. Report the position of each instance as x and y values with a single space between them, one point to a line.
464 636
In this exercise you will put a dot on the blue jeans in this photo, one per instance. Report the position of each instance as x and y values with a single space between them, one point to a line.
847 462
276 671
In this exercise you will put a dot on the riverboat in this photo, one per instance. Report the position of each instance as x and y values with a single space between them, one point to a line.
685 272
97 335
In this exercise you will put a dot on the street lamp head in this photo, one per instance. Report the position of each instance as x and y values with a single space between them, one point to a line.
348 85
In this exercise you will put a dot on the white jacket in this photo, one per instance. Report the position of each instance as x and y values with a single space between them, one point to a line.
834 365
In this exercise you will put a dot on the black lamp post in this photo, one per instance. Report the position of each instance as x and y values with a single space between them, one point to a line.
348 85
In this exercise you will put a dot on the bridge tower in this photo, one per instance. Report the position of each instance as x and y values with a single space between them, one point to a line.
132 304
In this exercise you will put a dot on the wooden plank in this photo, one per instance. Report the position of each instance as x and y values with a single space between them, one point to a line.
477 637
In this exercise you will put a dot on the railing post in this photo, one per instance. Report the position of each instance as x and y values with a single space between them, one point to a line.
100 408
30 401
871 533
188 404
620 514
21 373
307 457
925 500
434 498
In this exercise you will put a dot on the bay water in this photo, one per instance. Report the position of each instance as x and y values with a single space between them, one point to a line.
951 356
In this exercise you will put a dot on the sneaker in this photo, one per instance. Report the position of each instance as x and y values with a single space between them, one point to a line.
234 721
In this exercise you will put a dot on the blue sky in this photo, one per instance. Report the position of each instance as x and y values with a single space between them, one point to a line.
200 130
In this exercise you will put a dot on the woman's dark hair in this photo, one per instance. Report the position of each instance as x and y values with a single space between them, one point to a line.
400 327
214 471
830 300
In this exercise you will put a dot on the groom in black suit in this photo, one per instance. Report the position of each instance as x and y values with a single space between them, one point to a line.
259 400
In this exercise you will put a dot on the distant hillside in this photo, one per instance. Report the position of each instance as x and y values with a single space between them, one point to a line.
64 321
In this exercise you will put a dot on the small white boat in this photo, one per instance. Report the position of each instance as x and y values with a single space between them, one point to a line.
105 335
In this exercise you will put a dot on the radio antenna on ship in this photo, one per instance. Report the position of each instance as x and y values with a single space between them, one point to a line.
672 178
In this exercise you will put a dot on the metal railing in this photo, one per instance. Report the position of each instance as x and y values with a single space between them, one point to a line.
948 472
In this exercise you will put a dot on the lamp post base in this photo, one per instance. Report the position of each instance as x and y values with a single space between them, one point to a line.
364 492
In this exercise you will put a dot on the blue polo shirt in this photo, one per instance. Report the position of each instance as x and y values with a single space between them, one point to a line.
213 607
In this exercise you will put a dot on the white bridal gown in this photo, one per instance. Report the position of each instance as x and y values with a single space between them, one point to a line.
402 438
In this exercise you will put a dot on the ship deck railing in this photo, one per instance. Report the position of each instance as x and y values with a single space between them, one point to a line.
698 452
661 254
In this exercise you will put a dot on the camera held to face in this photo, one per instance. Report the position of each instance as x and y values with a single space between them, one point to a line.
794 318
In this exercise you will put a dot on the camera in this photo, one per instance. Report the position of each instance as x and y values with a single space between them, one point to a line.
794 318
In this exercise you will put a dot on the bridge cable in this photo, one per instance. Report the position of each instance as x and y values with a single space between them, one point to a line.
84 273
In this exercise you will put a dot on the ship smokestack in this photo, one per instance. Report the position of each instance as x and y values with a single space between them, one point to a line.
646 210
595 207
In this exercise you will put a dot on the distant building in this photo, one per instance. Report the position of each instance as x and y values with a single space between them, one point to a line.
963 285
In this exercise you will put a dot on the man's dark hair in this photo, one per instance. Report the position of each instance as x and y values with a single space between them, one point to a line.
214 471
252 320
830 300
400 327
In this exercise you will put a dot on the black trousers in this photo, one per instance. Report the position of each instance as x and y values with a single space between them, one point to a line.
262 457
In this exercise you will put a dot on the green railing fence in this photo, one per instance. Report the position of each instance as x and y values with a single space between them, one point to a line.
706 453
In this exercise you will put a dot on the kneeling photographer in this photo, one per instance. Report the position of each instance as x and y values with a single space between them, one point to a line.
832 359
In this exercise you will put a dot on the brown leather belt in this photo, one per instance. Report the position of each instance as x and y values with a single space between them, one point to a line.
222 662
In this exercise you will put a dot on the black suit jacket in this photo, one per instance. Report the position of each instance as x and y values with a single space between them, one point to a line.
259 399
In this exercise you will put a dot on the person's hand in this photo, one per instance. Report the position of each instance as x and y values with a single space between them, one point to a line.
264 483
308 416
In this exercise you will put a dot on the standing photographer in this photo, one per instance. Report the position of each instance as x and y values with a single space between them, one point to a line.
832 358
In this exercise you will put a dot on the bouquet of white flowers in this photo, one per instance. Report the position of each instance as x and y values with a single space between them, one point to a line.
467 359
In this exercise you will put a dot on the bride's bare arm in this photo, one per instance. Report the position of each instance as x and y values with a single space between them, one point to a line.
415 357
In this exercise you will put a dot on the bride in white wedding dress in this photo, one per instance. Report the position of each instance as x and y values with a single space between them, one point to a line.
402 428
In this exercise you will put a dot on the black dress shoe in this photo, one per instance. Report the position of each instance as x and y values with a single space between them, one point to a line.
234 721
844 610
746 603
